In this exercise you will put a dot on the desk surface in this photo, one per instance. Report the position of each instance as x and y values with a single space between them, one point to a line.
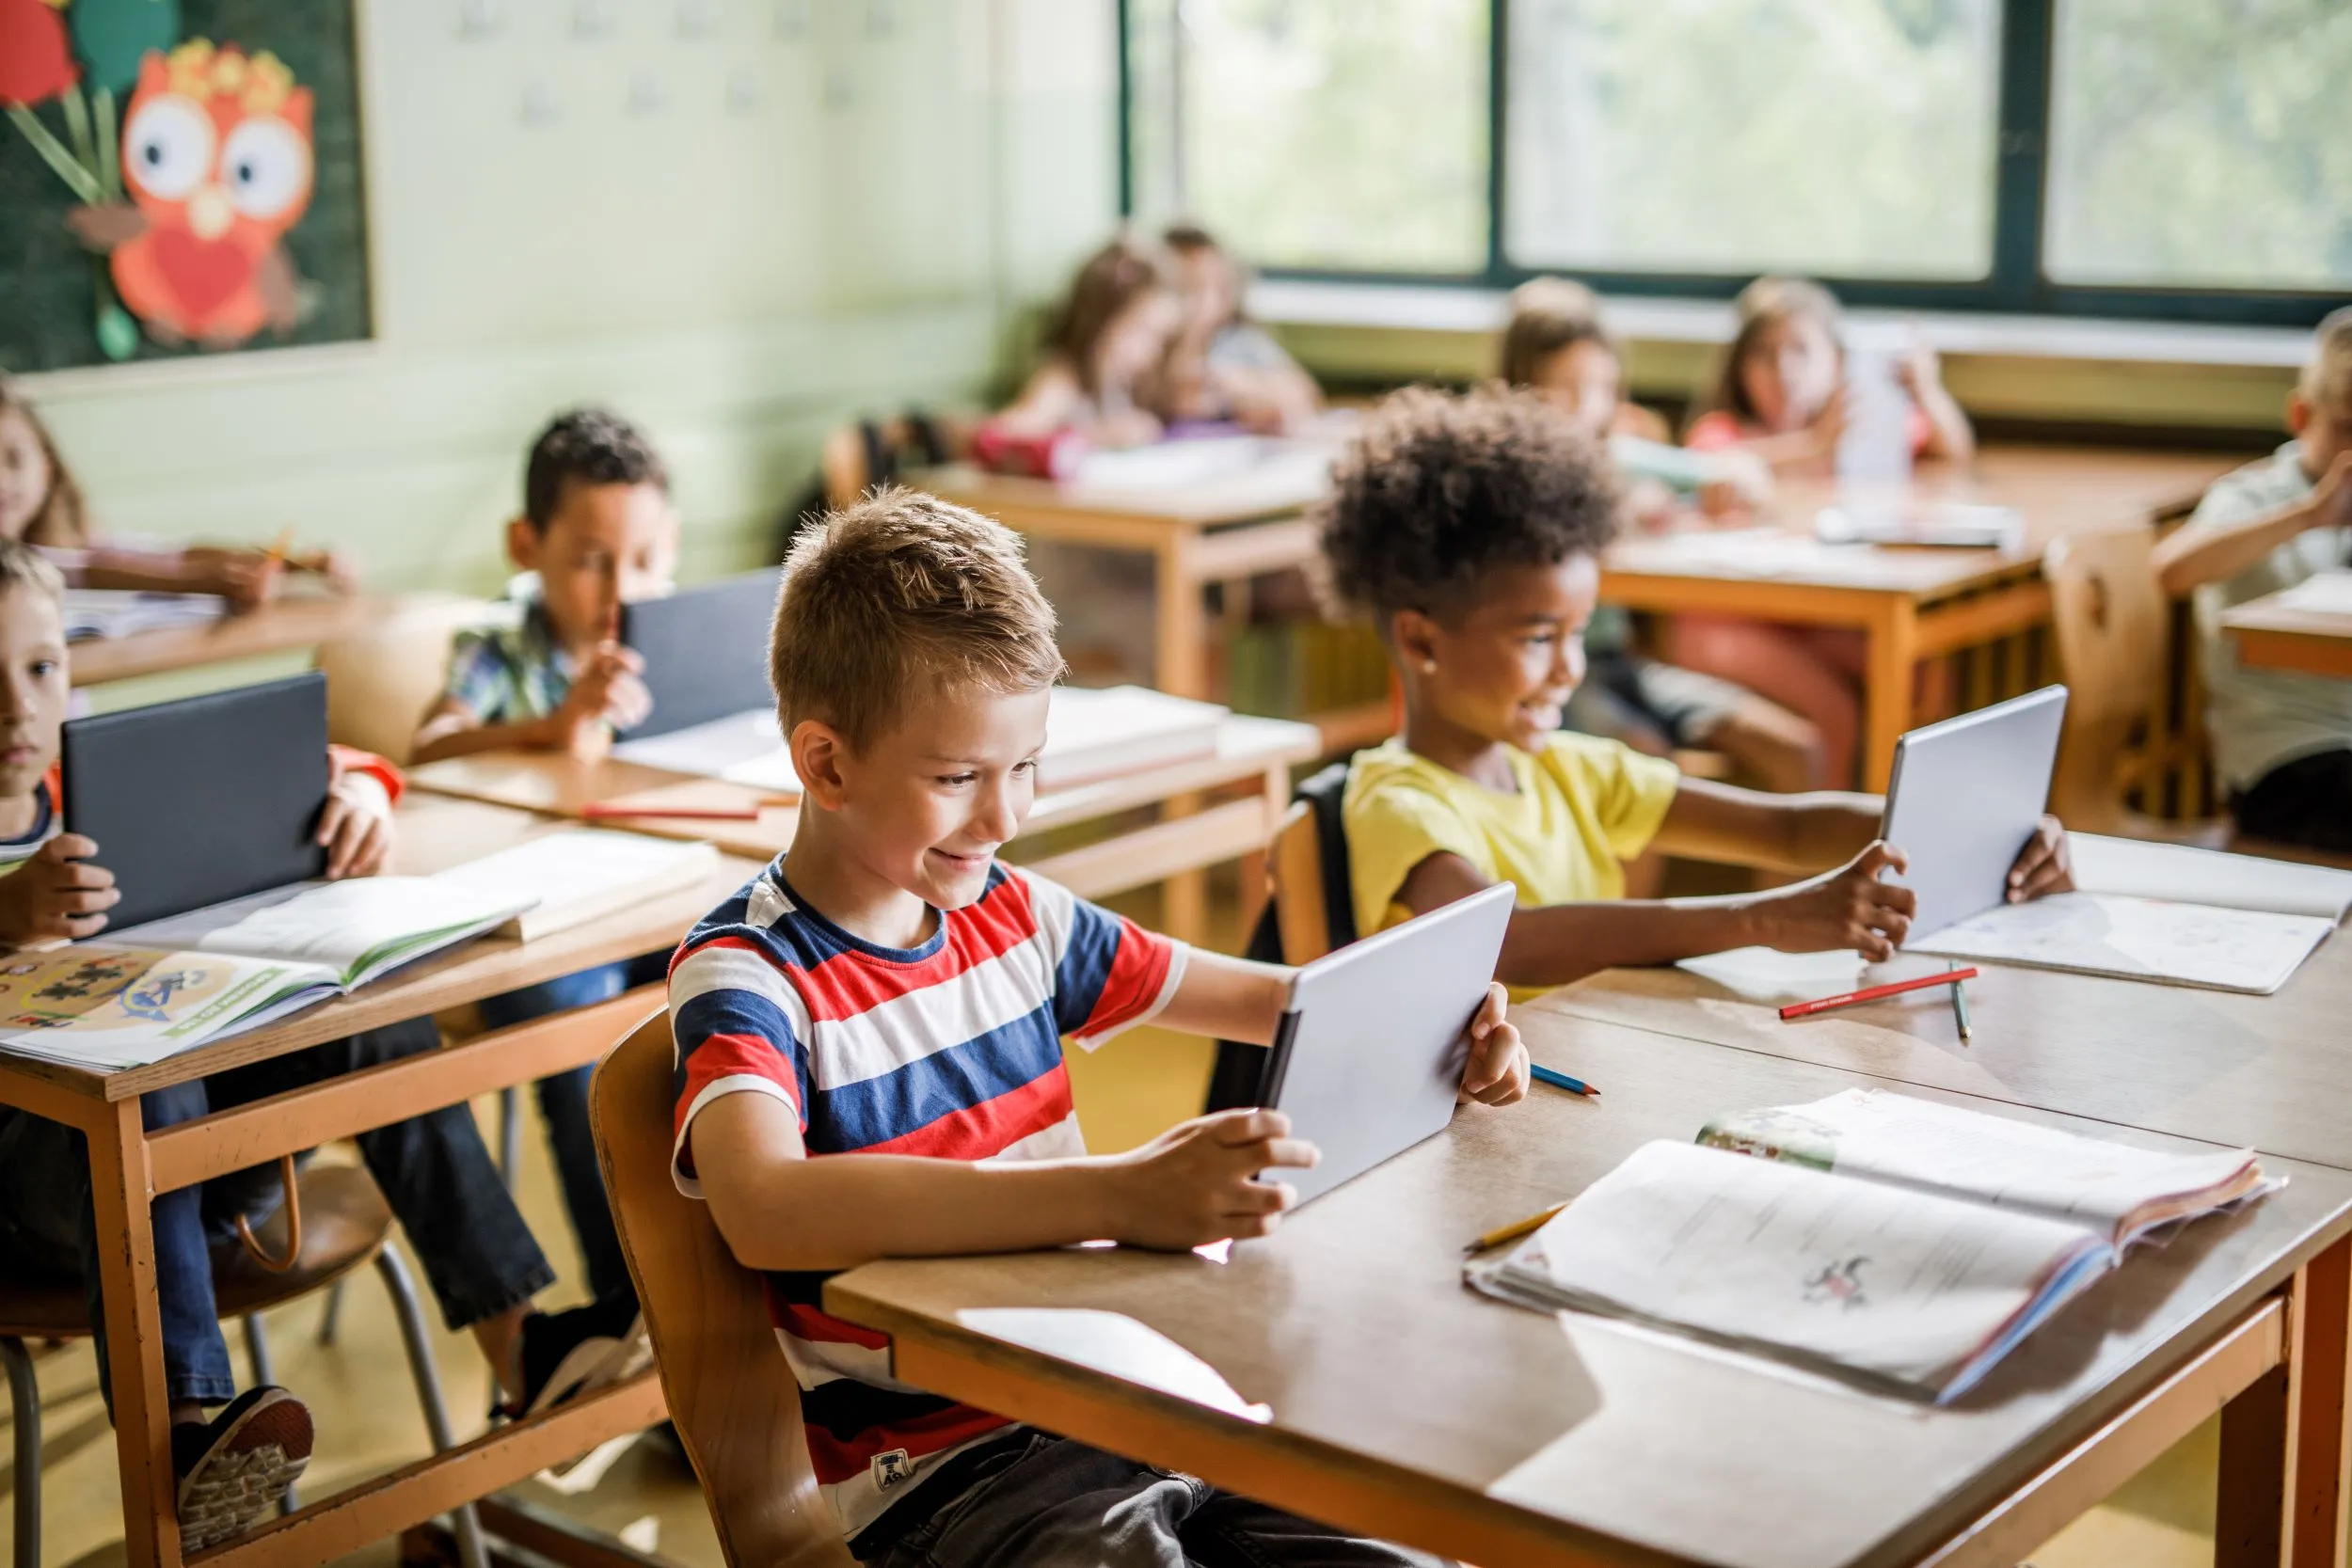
434 834
1404 1403
2275 636
283 625
2262 1071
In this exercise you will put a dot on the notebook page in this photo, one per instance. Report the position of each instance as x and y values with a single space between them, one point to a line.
712 749
2138 939
567 878
1898 1285
1971 1154
2138 869
345 925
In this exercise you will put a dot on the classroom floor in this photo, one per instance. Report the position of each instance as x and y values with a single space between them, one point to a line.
368 1422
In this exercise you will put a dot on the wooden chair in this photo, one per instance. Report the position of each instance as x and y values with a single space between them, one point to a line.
344 1225
859 456
379 681
732 1397
2109 618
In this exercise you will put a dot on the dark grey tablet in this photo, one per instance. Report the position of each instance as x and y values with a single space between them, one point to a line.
204 799
1371 1051
1964 798
705 650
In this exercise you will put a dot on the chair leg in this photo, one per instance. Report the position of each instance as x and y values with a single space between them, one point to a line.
419 1343
511 1138
331 1316
24 1417
257 1352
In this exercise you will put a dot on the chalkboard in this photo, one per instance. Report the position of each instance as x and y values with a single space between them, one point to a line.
54 291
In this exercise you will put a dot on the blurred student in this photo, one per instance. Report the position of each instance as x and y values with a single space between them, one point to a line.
2283 741
1103 352
41 505
1556 343
1221 365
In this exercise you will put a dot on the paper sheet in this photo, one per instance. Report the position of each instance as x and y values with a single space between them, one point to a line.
1117 1345
2326 593
2140 939
1762 972
2138 869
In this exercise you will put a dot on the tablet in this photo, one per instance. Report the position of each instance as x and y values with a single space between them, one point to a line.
706 650
204 800
1371 1049
1966 795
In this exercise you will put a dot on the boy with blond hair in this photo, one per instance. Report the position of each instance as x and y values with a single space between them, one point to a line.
2283 741
869 1057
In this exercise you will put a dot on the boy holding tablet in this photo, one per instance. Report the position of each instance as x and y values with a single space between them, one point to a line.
870 1060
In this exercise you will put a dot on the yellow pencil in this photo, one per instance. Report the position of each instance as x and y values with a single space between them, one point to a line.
276 552
1512 1232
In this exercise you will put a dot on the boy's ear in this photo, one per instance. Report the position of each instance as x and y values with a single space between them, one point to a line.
817 752
2299 414
1414 636
522 544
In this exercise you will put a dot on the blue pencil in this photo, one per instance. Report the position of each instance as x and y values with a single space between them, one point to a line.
1561 1081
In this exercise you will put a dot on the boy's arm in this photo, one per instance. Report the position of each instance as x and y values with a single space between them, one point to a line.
452 730
2213 552
1805 833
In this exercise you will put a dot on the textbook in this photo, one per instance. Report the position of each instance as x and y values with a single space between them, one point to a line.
579 875
1899 1242
2164 913
101 612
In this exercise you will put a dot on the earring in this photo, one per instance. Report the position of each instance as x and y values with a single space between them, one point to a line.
1428 666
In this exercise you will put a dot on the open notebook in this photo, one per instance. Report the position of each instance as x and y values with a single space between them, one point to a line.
2163 911
138 995
1900 1242
99 612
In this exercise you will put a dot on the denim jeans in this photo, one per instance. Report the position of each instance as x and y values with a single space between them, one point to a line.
437 1177
563 1105
1057 1503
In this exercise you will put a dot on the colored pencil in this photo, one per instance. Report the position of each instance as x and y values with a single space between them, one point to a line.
1512 1232
1872 993
1561 1081
1960 1008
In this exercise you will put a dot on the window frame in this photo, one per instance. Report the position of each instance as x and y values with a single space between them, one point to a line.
2015 286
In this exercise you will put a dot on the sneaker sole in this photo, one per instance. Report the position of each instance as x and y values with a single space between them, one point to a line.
591 1367
245 1474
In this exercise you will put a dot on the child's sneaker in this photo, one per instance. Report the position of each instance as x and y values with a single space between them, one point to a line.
570 1353
232 1469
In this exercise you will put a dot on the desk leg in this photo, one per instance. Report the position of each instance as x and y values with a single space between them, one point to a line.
134 1340
2282 1491
1888 670
1180 668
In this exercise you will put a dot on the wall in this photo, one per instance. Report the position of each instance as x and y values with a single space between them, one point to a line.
740 221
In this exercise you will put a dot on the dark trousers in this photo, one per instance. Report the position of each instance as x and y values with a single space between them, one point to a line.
437 1177
2307 802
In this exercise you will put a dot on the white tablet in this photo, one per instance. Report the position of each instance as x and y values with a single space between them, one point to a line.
1966 795
1370 1052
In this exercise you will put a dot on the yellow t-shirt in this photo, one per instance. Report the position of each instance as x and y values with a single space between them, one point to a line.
1583 806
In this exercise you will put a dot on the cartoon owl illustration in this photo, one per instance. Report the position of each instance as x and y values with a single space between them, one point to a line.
217 155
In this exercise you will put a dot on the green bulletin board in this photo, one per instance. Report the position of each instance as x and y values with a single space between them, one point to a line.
226 253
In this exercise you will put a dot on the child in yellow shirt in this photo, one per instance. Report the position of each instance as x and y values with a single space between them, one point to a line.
1469 529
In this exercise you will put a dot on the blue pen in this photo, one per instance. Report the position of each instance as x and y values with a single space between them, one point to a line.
1561 1081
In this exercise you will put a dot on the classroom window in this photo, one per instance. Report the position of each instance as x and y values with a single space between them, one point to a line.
2179 158
1843 137
2202 146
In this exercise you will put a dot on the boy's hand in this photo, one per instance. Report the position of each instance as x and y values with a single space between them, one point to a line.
1192 1183
608 694
2331 498
1496 1073
1848 908
2045 866
57 895
1918 370
355 826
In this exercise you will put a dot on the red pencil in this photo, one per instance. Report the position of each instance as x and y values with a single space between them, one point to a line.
1871 993
596 810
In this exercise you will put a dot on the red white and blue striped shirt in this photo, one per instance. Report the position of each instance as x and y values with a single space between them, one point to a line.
950 1049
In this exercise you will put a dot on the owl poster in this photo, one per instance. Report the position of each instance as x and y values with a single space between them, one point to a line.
187 173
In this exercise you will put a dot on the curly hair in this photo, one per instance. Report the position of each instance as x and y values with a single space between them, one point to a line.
587 446
1438 489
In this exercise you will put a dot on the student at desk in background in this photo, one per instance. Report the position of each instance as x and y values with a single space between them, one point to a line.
1220 364
2283 741
1103 353
597 531
870 1047
1782 397
41 505
478 1252
1469 528
1556 343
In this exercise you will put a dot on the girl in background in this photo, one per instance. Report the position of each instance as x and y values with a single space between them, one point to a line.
1221 365
1102 353
41 504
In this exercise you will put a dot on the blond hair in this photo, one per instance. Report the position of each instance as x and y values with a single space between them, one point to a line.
2327 378
1550 314
1761 306
21 565
900 588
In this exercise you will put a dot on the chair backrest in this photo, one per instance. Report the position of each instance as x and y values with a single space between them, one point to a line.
732 1397
857 457
2108 614
380 681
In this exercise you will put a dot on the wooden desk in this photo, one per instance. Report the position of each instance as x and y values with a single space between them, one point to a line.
128 1167
1405 1407
1253 752
283 625
1909 603
2272 636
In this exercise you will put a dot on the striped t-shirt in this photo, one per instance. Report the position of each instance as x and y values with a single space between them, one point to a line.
950 1049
